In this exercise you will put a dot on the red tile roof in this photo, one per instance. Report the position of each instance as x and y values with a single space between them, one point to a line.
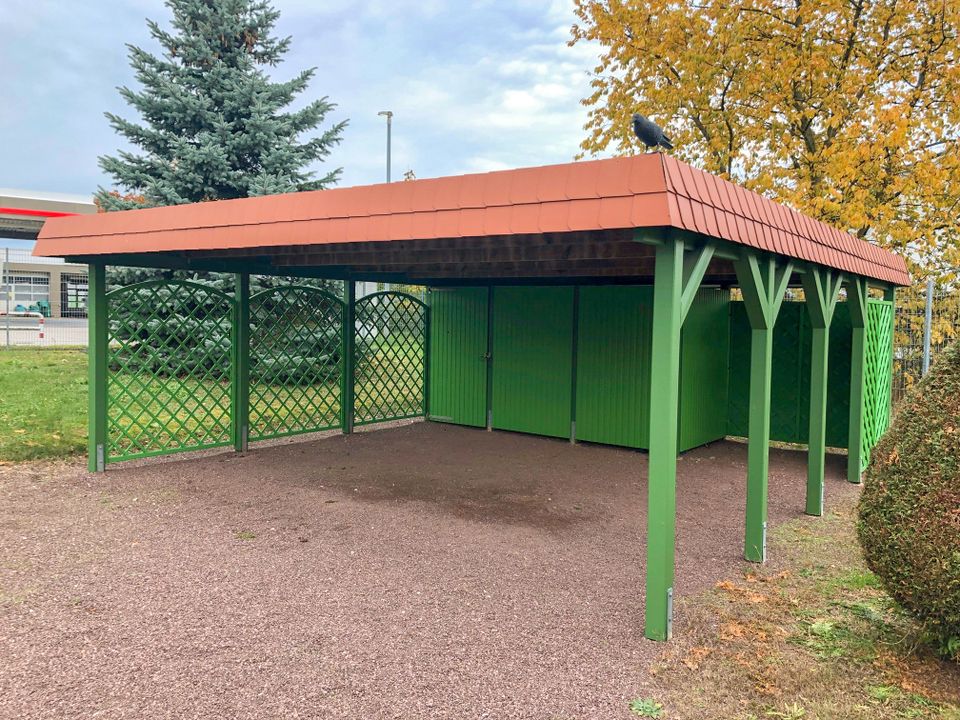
653 190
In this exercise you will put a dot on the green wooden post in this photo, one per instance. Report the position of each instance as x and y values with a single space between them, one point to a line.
426 358
857 299
241 362
573 365
675 284
348 356
97 368
890 295
662 466
820 287
763 283
488 356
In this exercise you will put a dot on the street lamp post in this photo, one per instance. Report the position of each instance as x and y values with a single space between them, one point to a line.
389 115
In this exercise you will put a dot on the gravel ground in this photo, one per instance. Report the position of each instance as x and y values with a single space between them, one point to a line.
423 571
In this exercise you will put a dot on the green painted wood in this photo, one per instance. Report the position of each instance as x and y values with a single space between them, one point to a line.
348 357
241 362
532 360
704 373
857 300
817 433
792 341
458 355
663 419
169 368
820 286
97 368
613 365
758 448
695 265
763 281
295 361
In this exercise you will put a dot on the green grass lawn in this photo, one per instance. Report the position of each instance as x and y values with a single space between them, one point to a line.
43 403
43 406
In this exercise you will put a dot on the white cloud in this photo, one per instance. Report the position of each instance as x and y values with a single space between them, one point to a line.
475 86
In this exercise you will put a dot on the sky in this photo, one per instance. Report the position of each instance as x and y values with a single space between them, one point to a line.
474 86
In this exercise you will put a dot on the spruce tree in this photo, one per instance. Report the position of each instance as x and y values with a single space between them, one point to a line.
214 125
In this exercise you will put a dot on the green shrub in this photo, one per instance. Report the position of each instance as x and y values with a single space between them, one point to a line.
909 524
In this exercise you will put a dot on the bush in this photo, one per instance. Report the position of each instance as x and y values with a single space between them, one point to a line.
909 524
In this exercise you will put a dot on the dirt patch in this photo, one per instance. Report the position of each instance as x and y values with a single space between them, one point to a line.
421 571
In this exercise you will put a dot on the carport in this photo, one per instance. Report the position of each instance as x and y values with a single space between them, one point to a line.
632 301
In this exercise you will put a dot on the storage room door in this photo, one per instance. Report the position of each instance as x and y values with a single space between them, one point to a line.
458 350
533 359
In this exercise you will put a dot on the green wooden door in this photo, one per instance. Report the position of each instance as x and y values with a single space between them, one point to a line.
533 359
458 347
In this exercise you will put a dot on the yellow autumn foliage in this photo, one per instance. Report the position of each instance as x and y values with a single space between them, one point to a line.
848 110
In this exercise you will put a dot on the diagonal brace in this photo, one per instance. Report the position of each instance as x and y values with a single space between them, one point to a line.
694 268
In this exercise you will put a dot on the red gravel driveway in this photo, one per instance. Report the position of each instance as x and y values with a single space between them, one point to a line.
423 571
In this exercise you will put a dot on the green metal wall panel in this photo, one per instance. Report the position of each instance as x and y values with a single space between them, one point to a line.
838 380
533 359
790 393
613 365
458 346
703 369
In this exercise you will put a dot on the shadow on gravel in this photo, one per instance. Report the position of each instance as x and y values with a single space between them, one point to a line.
513 503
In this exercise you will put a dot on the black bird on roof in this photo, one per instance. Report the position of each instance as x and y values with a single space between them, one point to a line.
650 133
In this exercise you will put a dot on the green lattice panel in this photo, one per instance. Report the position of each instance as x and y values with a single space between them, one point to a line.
168 368
390 357
878 374
296 361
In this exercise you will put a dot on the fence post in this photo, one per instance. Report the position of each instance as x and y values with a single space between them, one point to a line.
97 368
241 362
927 325
857 302
890 295
426 356
5 275
348 355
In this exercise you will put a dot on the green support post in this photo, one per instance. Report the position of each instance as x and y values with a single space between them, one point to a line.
675 283
426 357
662 466
857 300
488 356
763 281
97 368
890 295
241 362
820 286
573 365
347 344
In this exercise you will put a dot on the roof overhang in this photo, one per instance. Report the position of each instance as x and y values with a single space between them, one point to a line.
576 220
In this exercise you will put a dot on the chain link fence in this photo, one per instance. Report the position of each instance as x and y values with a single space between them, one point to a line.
43 301
922 328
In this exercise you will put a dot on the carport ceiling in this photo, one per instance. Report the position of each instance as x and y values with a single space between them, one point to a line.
611 255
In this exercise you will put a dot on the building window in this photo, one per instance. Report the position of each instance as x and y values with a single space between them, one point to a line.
24 290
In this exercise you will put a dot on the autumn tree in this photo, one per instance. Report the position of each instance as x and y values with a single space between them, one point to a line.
848 110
